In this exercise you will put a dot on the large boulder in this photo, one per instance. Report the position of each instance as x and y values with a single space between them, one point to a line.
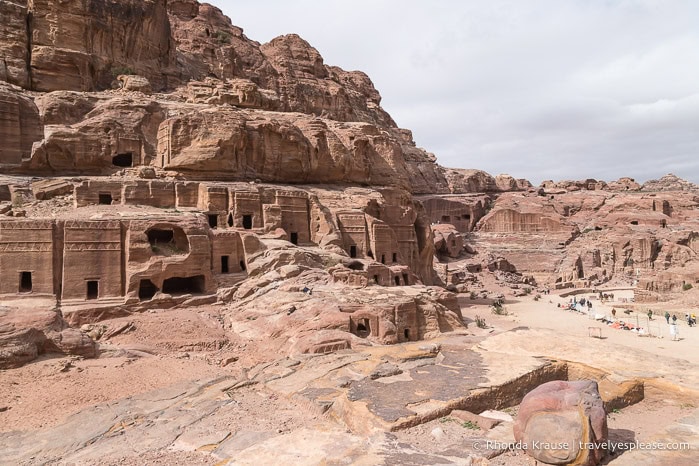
27 332
563 423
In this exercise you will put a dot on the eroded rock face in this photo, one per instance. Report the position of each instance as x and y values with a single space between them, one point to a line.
447 240
114 134
588 237
561 422
243 145
311 87
237 92
85 45
20 126
209 45
669 182
14 43
132 82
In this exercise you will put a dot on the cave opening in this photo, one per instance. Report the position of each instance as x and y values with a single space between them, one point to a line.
184 285
146 290
363 328
124 160
104 198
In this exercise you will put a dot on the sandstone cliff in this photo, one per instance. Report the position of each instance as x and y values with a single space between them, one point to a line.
88 57
175 161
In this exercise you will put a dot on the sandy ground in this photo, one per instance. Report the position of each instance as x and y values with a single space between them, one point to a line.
526 312
161 348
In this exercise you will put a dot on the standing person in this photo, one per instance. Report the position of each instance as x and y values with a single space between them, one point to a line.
650 314
613 313
667 317
674 318
674 331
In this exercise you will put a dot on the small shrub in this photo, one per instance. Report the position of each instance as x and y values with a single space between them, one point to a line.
480 322
527 290
473 295
470 425
498 309
687 286
222 37
537 297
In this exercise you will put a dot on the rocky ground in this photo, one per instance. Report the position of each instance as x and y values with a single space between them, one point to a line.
174 387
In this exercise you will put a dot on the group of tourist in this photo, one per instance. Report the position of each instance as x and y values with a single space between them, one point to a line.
575 305
582 305
691 319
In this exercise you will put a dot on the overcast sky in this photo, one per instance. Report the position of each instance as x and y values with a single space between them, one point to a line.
539 89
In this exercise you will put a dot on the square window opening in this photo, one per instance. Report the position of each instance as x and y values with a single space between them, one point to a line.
224 264
25 282
92 289
104 198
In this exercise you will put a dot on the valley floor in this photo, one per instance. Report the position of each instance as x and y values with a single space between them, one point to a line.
175 388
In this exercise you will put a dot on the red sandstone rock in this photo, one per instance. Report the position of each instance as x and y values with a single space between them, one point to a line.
19 126
566 419
135 83
89 43
483 423
447 240
14 45
669 182
27 331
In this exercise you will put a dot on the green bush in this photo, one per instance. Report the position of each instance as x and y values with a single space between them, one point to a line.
222 37
480 322
687 286
498 309
470 425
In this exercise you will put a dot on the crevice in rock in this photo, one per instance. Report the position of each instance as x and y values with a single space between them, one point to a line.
30 78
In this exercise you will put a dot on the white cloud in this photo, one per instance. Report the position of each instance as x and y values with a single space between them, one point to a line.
560 89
